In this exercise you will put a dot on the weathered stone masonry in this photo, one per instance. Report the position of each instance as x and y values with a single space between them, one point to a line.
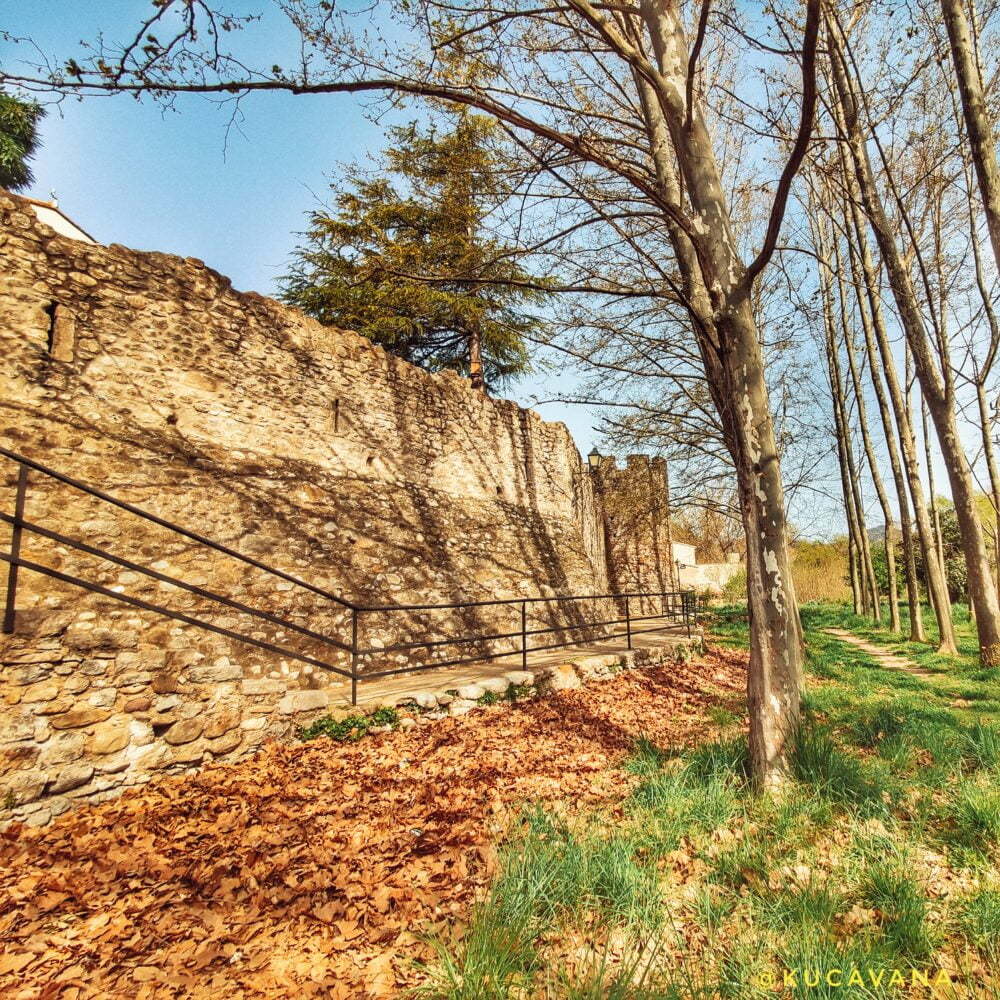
148 376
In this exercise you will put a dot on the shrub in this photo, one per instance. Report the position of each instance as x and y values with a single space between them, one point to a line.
351 727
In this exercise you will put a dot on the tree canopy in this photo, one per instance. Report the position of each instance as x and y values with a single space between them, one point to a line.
19 140
406 259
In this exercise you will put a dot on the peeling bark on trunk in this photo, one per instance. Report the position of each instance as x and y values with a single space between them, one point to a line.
718 301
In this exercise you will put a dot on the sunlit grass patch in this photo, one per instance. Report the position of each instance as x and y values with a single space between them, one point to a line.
903 908
800 907
818 761
974 814
979 921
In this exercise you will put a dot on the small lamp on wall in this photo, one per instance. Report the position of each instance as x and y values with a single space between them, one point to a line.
594 458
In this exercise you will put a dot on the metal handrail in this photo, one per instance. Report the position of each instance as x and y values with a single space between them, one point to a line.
186 532
682 611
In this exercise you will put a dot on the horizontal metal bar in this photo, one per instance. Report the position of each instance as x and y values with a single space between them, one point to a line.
163 523
137 602
437 666
487 658
431 644
517 600
493 636
173 581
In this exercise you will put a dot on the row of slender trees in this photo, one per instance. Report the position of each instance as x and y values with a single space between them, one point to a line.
667 148
896 229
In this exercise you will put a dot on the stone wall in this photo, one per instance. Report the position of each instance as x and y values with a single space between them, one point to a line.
636 505
309 449
709 578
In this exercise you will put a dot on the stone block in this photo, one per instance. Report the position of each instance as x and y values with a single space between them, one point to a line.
109 737
71 777
461 706
520 678
262 685
498 685
226 743
471 692
219 723
561 677
189 754
184 731
103 697
25 786
214 673
63 748
56 707
303 701
76 684
83 715
164 682
44 691
31 673
113 764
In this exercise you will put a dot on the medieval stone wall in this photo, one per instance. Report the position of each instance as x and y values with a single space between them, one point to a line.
309 449
636 510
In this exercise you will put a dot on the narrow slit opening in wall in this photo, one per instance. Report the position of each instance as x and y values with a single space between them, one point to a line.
50 312
336 416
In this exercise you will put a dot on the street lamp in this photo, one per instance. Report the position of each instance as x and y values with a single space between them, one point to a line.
594 458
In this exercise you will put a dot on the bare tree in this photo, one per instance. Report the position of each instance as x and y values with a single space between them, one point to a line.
931 360
608 96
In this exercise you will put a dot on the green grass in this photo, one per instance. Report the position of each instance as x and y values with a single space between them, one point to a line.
696 887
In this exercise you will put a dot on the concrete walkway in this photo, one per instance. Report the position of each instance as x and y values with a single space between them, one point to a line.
387 689
892 661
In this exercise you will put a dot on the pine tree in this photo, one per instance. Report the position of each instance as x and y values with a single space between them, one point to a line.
19 140
406 257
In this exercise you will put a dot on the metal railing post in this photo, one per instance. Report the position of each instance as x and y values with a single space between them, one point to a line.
628 623
354 656
524 635
15 549
686 605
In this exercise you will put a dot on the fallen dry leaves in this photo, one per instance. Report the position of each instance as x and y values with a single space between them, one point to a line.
311 870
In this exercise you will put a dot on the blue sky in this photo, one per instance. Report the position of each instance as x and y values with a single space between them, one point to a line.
171 180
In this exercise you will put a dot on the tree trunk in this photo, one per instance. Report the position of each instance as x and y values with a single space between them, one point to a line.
985 425
982 142
872 324
872 602
883 496
935 512
476 360
774 680
714 279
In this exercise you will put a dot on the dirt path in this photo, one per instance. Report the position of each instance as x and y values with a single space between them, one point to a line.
893 661
310 870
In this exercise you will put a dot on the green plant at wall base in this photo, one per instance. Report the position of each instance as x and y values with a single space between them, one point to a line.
351 727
